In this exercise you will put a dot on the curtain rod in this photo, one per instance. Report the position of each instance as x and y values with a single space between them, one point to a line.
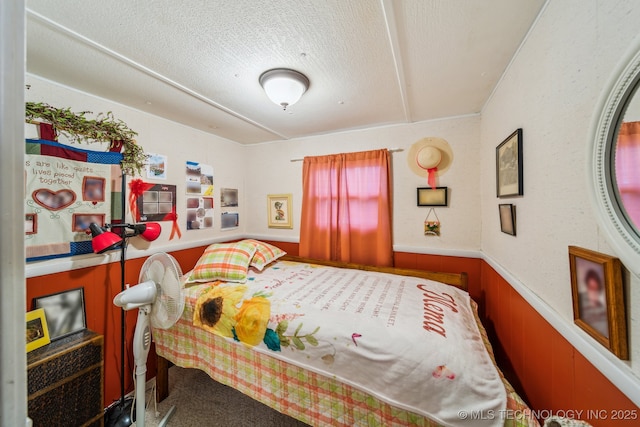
391 150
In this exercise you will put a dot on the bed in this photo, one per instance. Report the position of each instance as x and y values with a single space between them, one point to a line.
339 344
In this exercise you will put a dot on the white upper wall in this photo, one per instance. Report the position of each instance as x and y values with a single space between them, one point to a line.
156 135
550 90
270 171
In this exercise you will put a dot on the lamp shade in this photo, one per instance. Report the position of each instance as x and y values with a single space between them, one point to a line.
151 231
102 240
283 86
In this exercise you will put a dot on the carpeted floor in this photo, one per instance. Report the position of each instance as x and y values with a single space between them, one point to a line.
203 402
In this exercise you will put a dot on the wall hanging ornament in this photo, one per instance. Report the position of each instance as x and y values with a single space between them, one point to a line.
78 128
430 157
432 224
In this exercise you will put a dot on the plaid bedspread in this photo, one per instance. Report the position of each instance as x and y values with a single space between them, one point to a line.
305 395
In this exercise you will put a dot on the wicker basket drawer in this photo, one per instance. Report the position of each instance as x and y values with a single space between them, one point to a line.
65 382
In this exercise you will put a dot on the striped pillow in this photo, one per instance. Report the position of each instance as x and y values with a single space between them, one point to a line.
228 262
265 254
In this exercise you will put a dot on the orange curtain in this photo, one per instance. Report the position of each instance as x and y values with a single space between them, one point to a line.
346 208
628 169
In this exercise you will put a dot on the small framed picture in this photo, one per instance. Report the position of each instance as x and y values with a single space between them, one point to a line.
228 197
37 330
507 218
279 211
229 220
93 188
65 312
81 221
509 166
598 298
30 223
156 166
428 196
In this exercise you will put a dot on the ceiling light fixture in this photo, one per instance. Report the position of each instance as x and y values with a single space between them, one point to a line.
283 86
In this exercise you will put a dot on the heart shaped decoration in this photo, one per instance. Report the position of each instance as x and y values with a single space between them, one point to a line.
54 200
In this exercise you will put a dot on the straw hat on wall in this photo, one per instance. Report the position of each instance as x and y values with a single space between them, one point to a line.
430 157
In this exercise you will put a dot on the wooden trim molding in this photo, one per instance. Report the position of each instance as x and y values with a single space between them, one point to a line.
458 280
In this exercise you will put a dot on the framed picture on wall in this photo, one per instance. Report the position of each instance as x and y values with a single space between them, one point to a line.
65 312
37 331
598 298
507 218
509 166
279 211
229 220
428 196
229 197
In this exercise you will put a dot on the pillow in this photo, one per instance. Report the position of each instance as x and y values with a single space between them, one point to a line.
265 254
224 261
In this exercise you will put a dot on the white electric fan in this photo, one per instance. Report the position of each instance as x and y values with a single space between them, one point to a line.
159 299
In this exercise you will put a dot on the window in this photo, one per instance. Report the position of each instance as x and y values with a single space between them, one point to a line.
346 208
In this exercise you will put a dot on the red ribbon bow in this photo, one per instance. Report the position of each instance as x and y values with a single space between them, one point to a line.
431 180
175 229
136 187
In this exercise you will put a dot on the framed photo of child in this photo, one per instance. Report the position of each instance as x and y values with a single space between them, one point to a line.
598 298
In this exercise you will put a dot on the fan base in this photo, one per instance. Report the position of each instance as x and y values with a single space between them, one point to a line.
119 416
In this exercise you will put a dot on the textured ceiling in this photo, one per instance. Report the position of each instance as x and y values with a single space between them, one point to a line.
370 62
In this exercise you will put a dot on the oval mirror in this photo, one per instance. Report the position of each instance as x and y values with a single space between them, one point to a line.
616 161
626 162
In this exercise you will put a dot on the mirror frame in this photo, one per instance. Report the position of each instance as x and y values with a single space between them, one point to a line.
620 233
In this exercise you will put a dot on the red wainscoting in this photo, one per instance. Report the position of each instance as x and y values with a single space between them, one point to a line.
547 371
101 284
542 366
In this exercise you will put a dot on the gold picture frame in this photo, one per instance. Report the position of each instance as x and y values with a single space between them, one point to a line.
279 210
37 332
598 298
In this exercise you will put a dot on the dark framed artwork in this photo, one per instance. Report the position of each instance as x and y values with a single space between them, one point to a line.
507 218
65 312
157 203
509 166
598 298
428 196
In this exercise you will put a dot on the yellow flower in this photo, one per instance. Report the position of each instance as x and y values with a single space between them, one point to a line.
252 319
216 309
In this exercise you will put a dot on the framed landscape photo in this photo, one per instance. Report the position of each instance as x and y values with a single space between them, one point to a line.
279 211
598 298
65 312
507 218
509 166
428 196
37 331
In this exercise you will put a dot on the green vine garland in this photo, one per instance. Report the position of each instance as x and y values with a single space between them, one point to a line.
78 128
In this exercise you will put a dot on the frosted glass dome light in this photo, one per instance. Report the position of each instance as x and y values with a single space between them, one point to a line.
283 86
